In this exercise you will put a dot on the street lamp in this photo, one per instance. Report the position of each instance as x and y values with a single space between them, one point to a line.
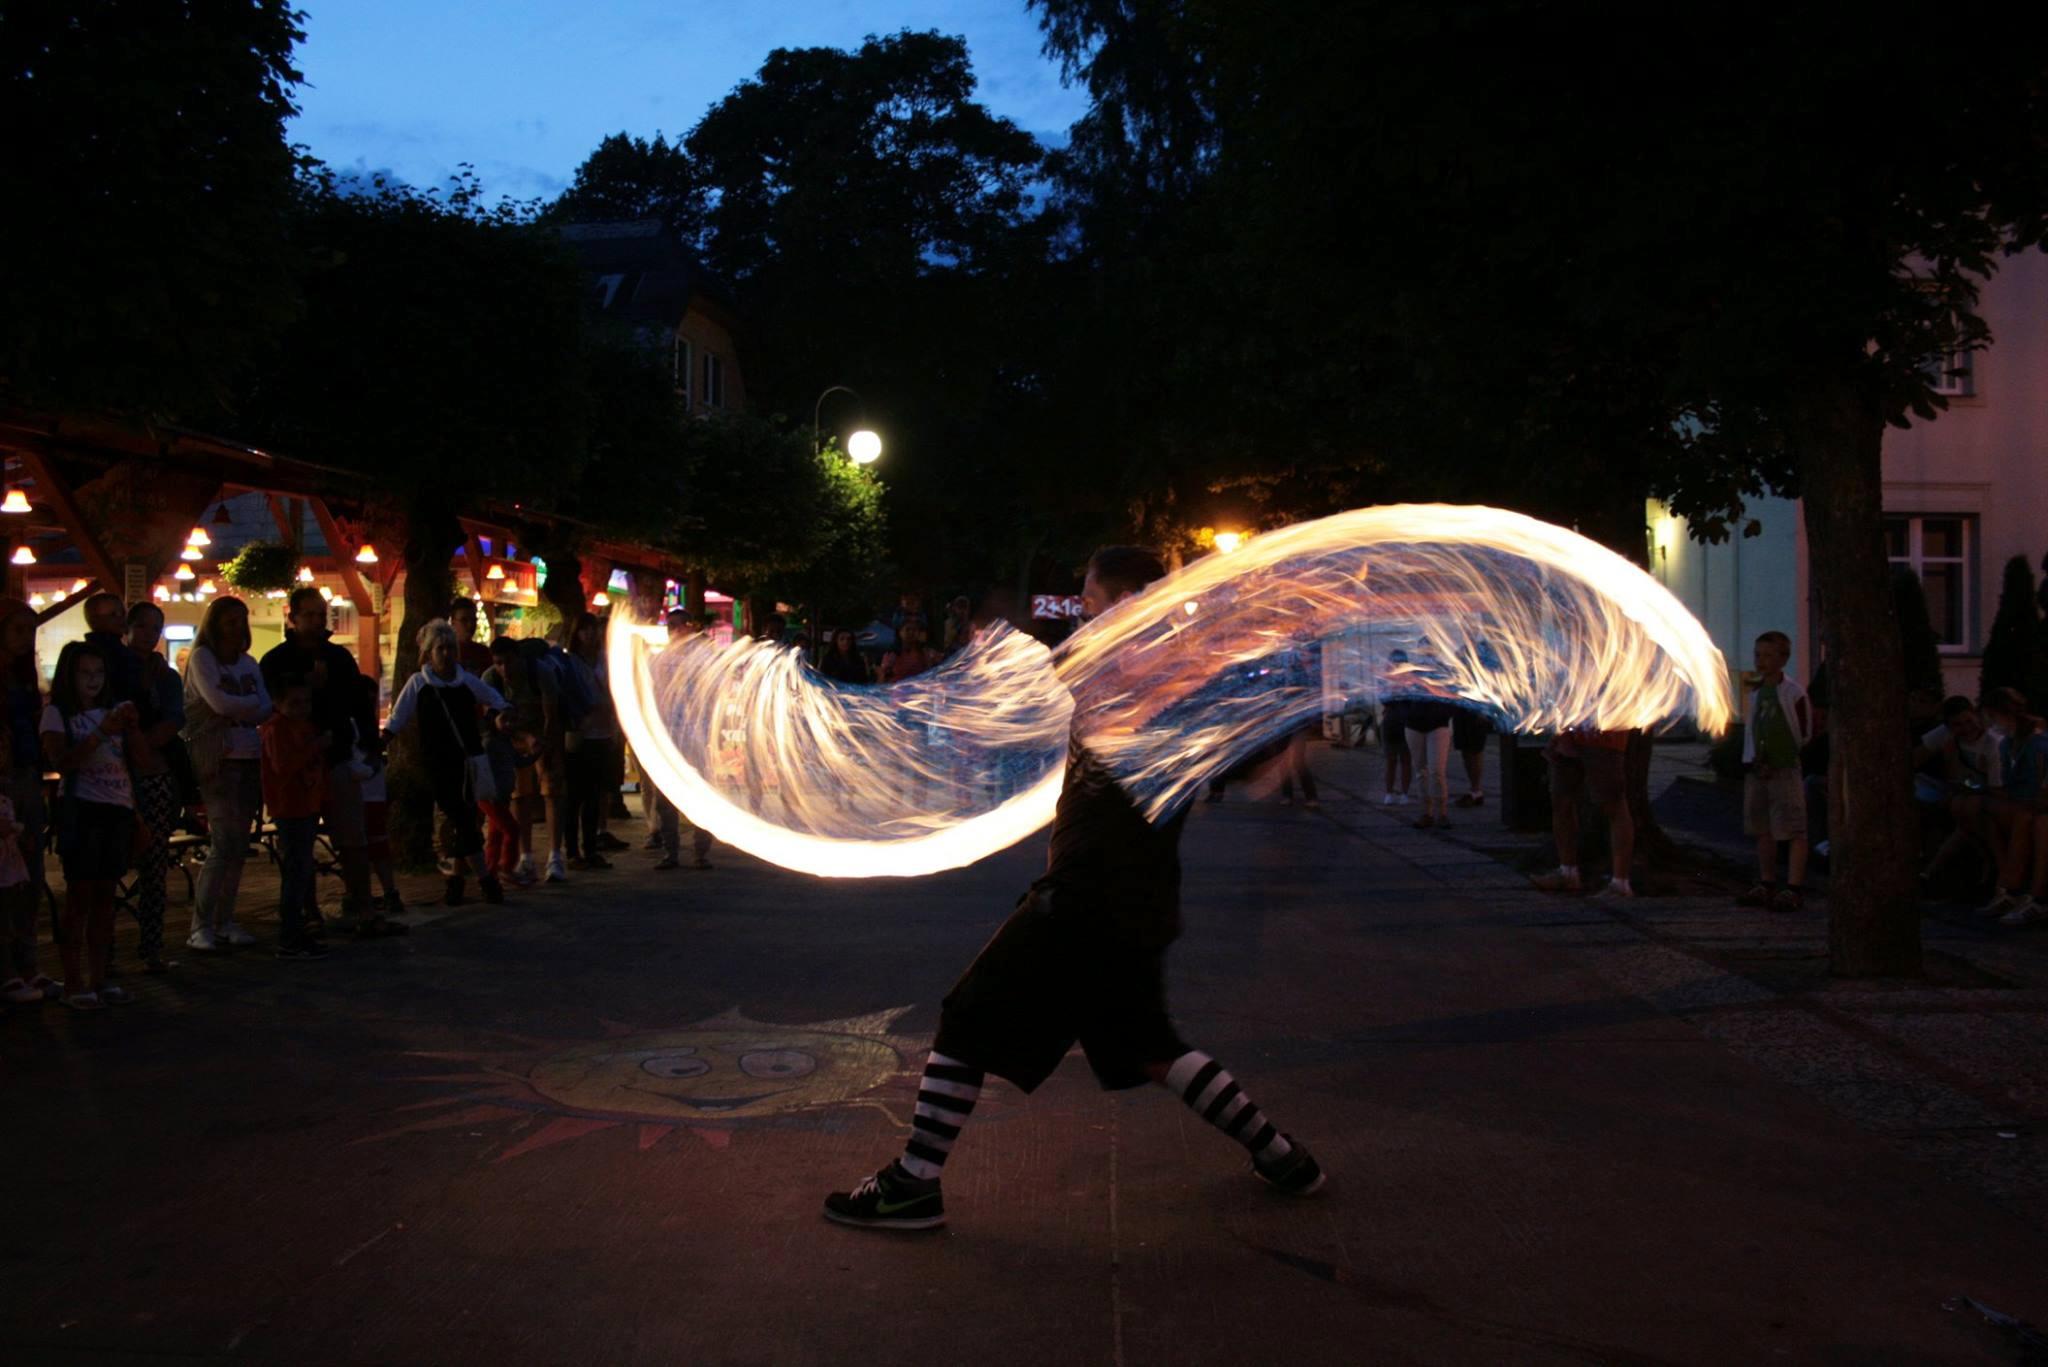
863 446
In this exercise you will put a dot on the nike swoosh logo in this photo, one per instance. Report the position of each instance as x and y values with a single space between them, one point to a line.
894 1207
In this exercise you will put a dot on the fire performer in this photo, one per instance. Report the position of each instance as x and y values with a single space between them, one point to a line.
1083 957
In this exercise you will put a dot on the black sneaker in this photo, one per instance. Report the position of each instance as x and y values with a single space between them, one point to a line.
305 950
891 1199
493 890
454 896
1298 1174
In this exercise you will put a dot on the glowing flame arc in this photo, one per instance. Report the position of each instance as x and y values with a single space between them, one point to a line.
1534 624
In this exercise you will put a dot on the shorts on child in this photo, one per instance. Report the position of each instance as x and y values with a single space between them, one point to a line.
1774 806
94 842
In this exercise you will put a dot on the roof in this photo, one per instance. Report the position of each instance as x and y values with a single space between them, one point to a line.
642 274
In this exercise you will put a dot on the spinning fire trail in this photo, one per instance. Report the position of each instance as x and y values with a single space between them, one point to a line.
1536 625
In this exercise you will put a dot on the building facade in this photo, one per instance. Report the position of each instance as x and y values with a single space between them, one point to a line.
1963 494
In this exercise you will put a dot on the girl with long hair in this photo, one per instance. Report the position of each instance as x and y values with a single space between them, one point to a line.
85 740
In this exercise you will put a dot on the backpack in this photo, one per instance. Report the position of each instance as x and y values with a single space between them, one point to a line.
571 688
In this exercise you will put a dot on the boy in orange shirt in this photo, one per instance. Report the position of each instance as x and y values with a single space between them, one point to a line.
295 789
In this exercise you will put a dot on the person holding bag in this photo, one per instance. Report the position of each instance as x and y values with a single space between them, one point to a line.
443 699
226 701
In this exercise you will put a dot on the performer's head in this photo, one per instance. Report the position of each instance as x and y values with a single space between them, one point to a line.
1114 574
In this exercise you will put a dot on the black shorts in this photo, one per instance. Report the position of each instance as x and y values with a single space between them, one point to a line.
1469 729
1053 974
1428 715
93 841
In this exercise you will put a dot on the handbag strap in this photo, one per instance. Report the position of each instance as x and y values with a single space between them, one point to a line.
449 712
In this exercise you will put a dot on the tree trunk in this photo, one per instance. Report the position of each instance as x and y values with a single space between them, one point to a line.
564 586
432 532
1873 902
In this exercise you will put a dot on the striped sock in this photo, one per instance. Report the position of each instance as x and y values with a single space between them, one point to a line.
1213 1094
945 1098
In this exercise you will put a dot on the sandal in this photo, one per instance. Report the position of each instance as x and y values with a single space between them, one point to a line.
48 986
85 1001
113 994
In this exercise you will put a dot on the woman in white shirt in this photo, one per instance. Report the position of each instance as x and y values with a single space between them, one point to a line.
225 702
85 741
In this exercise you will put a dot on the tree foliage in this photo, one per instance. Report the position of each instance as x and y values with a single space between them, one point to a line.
2014 656
1919 643
628 179
148 182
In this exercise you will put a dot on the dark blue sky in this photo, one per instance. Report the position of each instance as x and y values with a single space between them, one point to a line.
524 89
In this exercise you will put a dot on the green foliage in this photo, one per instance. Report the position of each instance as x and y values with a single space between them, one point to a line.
262 566
628 179
441 348
1445 269
1920 646
764 509
872 218
148 182
2013 653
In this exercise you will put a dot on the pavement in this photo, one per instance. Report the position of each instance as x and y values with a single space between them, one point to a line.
594 1126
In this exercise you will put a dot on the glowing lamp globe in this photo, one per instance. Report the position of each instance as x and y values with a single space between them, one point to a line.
23 556
191 553
367 555
305 574
206 588
199 538
598 600
162 593
184 574
1229 541
495 572
865 447
16 502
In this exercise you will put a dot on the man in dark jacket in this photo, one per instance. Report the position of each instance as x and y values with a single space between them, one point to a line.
341 708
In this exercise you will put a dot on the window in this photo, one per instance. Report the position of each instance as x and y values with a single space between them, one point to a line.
713 395
682 371
1942 550
1953 373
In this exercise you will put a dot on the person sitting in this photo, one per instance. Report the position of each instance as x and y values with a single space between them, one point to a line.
2018 812
1958 767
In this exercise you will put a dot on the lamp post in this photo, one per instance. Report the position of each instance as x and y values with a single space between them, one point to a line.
863 447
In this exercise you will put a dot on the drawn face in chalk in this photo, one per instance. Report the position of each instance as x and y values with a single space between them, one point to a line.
699 1074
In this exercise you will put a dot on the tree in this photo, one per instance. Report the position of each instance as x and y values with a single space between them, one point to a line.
1586 278
147 258
872 218
1919 646
441 355
629 178
2013 654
